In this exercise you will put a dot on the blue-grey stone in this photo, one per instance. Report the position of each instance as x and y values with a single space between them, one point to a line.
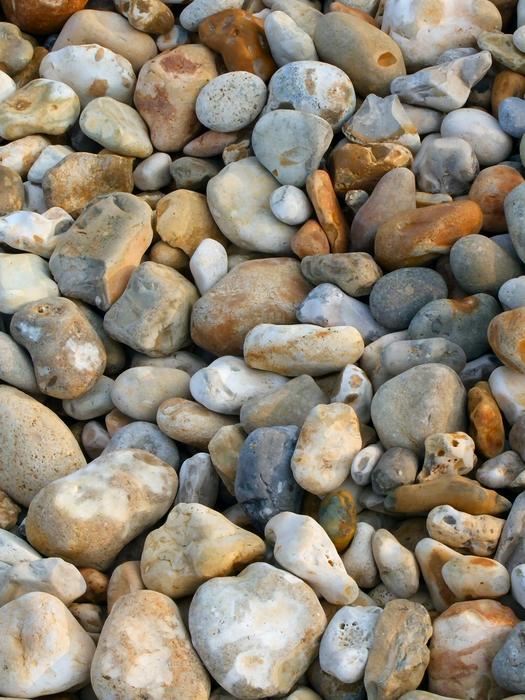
514 207
511 116
463 321
512 293
396 467
404 354
479 370
481 265
508 666
264 484
397 297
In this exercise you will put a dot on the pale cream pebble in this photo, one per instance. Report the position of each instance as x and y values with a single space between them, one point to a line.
195 544
431 556
303 548
125 579
20 154
90 616
23 278
53 576
397 565
364 463
35 232
14 550
190 423
128 395
359 559
355 389
478 534
508 388
471 577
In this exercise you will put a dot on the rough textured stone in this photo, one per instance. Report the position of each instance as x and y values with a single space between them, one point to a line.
41 16
12 191
360 167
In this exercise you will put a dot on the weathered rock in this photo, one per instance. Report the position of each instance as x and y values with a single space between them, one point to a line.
141 435
478 534
190 423
445 165
396 564
503 49
42 16
395 467
506 339
24 278
14 550
12 191
150 16
231 101
508 664
486 423
447 454
360 167
53 576
290 205
324 200
353 388
224 448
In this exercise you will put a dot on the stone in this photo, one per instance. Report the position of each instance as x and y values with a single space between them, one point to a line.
516 437
445 165
511 116
104 72
508 664
112 31
417 403
16 367
396 467
193 174
124 579
50 156
356 166
302 547
208 264
500 471
166 93
222 317
331 686
302 348
12 191
314 87
486 423
195 544
518 583
359 560
506 84
16 50
447 454
431 556
142 435
511 293
510 546
418 236
7 86
209 144
398 656
94 439
338 517
290 205
116 126
402 355
123 663
24 279
505 338
445 86
471 577
153 173
457 491
198 481
81 177
287 41
89 516
355 273
365 462
239 38
151 16
9 512
259 593
304 15
189 422
395 192
382 119
244 187
503 49
191 17
396 564
347 641
489 190
310 239
224 449
489 142
163 383
513 208
43 648
231 101
19 155
423 32
463 321
371 361
328 211
42 17
352 387
14 550
478 629
53 576
41 106
507 386
104 245
478 534
94 403
368 56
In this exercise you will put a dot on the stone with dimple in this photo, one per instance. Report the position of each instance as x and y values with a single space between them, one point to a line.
89 516
231 101
476 534
352 387
447 454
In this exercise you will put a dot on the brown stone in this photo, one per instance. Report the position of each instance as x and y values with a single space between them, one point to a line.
184 221
164 254
80 177
310 239
506 84
410 532
150 16
416 237
97 586
9 512
240 39
125 579
11 191
224 449
166 92
462 669
41 16
324 200
32 70
456 491
486 424
256 291
115 420
356 12
360 167
210 144
190 423
506 336
489 190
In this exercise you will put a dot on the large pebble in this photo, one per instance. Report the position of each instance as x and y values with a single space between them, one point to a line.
14 550
471 577
478 534
163 383
490 143
402 355
53 576
231 101
192 16
198 481
508 666
396 564
24 278
480 265
16 367
445 165
354 273
190 423
287 41
141 435
33 232
16 51
146 15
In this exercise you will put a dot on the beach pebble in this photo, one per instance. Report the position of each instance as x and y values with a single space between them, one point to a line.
365 462
396 564
53 576
33 232
471 577
395 467
508 665
480 265
353 388
472 124
198 481
231 101
445 165
359 560
290 205
198 10
142 435
163 383
189 422
153 173
447 454
478 534
16 50
510 550
12 197
94 403
14 550
402 355
517 578
287 41
146 15
16 367
24 278
355 273
50 156
208 264
507 386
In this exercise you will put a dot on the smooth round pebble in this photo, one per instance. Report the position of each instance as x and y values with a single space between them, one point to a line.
290 205
231 101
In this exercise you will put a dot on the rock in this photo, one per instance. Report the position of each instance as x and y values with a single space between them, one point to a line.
208 264
110 31
191 17
396 564
333 688
41 106
189 422
9 512
503 50
476 577
322 461
446 165
489 142
231 101
346 642
224 448
14 550
26 470
365 462
421 401
506 386
478 534
462 321
124 579
53 653
328 211
166 93
16 367
457 491
394 193
382 119
287 41
510 546
163 383
116 126
369 57
310 239
398 656
184 553
90 515
104 72
34 233
7 86
447 454
511 293
338 517
371 361
355 166
76 180
518 583
150 16
489 190
12 197
486 424
302 349
198 481
313 87
153 173
506 84
16 50
508 664
290 205
239 38
245 297
123 664
396 467
402 355
505 338
53 576
24 278
478 629
302 547
359 559
500 471
153 314
94 403
141 435
424 32
513 207
445 86
43 16
19 155
282 622
511 116
354 273
353 388
244 187
50 156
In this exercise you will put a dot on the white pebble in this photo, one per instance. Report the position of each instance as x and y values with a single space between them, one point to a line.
231 101
208 264
290 205
153 173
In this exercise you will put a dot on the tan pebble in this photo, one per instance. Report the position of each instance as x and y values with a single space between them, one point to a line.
41 16
478 534
489 190
163 383
90 616
125 579
328 211
97 585
447 454
164 254
115 420
210 144
224 449
506 335
9 512
32 70
431 557
506 84
471 577
149 16
22 153
190 423
310 239
15 50
397 565
11 191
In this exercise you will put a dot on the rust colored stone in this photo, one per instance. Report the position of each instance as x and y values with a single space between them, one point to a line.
360 14
310 239
506 84
115 420
506 336
41 16
210 144
239 37
97 586
486 424
456 491
416 237
360 167
324 200
489 190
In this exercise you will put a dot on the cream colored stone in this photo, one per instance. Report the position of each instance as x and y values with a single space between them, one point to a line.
125 579
190 423
359 559
224 449
53 576
33 232
23 279
117 127
478 534
471 577
14 550
94 403
397 565
20 154
447 454
162 383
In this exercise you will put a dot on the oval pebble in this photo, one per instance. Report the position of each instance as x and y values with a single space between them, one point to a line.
231 101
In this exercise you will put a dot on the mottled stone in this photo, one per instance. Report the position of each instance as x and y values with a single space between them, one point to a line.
150 16
231 101
355 166
328 211
338 517
189 422
11 191
402 355
471 577
486 423
354 273
445 165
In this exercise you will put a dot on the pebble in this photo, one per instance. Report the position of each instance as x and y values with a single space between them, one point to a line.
163 383
53 576
396 564
503 49
24 278
231 101
290 205
287 41
353 388
489 190
355 273
478 534
189 422
16 50
192 16
518 584
146 15
508 664
50 156
489 142
355 166
471 577
12 197
142 435
208 264
445 165
153 173
16 367
510 546
402 355
486 423
507 386
324 200
447 454
396 467
14 550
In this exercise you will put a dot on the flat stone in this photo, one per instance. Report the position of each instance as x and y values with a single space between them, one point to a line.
231 101
116 126
14 550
